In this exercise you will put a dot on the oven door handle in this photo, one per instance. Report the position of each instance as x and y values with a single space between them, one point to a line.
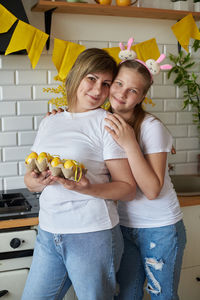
3 292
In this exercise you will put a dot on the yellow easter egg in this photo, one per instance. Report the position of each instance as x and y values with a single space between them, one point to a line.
30 157
41 157
55 161
69 164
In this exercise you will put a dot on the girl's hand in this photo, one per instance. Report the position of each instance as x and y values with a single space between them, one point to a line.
82 186
54 112
121 131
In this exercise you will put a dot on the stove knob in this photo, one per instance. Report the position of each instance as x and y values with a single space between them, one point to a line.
15 243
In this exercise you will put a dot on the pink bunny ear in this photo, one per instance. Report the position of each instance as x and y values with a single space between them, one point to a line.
166 67
129 44
161 58
121 46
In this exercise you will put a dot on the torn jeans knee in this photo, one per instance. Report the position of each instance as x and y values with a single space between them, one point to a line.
153 286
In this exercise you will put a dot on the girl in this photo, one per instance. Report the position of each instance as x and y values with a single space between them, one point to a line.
151 224
79 239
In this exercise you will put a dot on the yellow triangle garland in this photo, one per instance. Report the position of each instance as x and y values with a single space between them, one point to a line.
7 19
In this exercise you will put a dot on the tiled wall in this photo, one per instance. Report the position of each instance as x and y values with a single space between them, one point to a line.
23 104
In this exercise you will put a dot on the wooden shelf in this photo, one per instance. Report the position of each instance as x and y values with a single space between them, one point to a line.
111 10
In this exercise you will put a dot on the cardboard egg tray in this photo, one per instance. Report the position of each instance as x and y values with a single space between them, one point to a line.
73 173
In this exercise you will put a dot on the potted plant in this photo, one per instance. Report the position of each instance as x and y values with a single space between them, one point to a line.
180 4
196 5
188 81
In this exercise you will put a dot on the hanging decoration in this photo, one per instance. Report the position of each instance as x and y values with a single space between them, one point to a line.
64 56
185 29
7 19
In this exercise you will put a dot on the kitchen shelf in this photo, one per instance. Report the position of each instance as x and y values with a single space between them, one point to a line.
111 10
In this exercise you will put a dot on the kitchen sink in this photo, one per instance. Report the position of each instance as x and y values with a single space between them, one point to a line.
186 185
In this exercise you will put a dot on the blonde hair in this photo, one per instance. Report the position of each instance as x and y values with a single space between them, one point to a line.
139 113
91 60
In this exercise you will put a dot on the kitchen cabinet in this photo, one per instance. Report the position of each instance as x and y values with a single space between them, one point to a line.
189 287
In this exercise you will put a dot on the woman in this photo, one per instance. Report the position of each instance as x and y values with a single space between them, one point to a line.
79 239
152 226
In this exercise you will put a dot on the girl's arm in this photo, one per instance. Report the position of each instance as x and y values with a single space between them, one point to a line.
37 182
148 170
121 187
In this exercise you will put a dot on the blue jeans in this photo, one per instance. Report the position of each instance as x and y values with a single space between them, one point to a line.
89 261
154 254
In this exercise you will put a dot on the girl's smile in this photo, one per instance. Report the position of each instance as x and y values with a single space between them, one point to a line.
126 91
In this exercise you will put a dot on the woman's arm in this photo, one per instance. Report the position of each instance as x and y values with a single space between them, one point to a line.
121 187
37 182
148 170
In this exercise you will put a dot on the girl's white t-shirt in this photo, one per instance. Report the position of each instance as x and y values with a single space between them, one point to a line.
81 137
165 209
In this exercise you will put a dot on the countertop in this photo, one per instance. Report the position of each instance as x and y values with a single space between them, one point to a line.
15 223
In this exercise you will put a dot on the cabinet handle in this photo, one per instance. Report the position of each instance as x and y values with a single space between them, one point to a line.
3 292
197 278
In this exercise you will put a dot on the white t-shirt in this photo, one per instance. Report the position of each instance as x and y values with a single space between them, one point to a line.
82 137
164 210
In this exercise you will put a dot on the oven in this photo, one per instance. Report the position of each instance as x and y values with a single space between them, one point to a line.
16 243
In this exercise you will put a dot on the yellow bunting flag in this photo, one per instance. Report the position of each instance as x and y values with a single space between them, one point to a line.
64 56
147 49
144 50
30 38
7 19
185 29
114 52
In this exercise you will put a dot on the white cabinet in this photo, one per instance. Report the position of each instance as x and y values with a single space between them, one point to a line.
189 287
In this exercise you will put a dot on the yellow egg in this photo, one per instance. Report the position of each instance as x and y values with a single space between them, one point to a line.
55 161
49 157
30 157
69 163
41 157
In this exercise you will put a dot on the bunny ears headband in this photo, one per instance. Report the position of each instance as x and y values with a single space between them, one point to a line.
153 66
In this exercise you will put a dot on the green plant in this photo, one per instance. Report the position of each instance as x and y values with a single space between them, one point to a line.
188 81
196 1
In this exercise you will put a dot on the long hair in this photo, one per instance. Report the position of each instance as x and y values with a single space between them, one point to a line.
91 60
139 113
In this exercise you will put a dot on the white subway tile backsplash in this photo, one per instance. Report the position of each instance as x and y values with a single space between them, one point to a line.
164 91
15 153
8 139
173 105
192 156
187 143
17 123
1 184
7 77
8 169
37 121
22 168
94 44
26 138
166 118
15 62
157 108
17 92
32 107
7 108
14 183
179 157
184 117
178 131
32 77
187 168
45 63
193 130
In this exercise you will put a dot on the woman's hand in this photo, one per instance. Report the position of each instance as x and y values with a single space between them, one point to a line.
82 186
121 132
37 182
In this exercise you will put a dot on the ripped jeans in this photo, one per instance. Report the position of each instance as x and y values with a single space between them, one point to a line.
154 254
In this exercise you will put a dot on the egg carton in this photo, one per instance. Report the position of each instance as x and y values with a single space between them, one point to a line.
73 173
